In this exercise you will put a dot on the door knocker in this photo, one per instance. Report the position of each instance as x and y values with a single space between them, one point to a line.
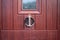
29 21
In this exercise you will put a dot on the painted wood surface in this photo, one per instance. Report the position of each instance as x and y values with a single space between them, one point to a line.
47 21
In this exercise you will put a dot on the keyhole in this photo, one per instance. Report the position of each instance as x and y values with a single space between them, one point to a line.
26 21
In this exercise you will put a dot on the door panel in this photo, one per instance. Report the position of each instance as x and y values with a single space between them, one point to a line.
0 19
45 17
58 20
42 16
51 14
0 15
19 24
29 35
7 15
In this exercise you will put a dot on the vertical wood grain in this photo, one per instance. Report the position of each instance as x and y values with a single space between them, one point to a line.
41 19
4 14
0 15
0 19
4 35
7 14
54 13
58 19
51 14
7 35
18 19
59 14
52 35
14 22
0 11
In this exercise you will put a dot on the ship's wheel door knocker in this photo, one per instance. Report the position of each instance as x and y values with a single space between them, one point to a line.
29 21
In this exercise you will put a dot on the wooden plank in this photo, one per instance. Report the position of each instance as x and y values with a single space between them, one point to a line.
52 35
4 35
7 14
51 14
41 19
58 19
18 19
0 19
54 13
38 35
0 16
18 35
58 13
4 19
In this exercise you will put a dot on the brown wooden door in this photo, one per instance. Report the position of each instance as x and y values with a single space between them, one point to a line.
45 21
